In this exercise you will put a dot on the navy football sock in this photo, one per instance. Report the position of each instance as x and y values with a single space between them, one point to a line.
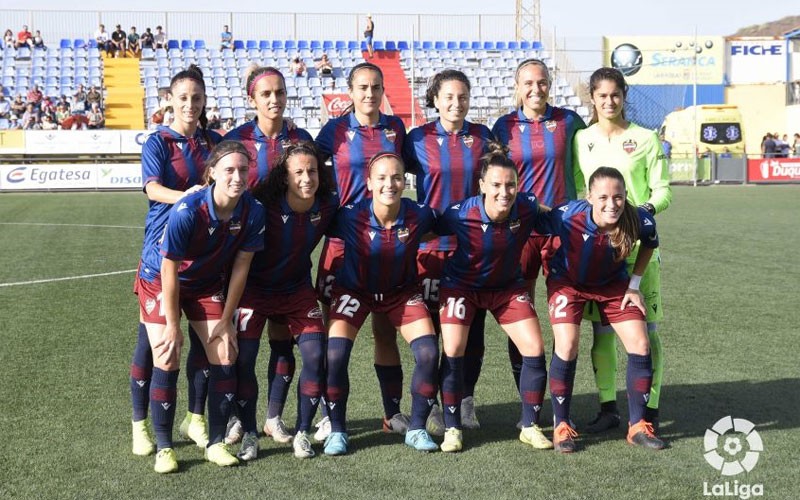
639 379
309 389
452 390
141 372
338 387
247 383
163 394
423 381
562 378
222 390
533 379
390 379
280 374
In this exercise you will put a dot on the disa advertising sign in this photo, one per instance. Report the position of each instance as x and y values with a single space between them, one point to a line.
664 60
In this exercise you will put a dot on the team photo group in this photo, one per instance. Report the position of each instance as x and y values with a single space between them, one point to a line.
233 222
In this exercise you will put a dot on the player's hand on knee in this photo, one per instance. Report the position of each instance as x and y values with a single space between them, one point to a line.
169 345
634 297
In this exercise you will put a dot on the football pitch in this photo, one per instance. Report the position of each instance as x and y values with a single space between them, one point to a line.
731 283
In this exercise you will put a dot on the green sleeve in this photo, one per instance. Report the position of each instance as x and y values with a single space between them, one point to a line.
580 180
658 176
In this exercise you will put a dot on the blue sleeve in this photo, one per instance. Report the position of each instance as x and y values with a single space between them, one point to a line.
325 138
155 156
303 135
498 130
178 233
256 227
410 152
215 137
647 229
400 129
550 222
336 229
447 221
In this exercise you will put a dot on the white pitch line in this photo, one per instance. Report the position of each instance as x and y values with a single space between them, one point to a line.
68 225
85 276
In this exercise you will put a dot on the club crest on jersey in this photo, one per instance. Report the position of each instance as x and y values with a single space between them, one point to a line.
402 234
514 226
149 305
315 218
351 134
550 125
468 141
390 134
235 227
629 146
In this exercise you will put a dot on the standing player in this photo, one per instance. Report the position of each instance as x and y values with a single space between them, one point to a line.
379 275
265 138
350 141
539 138
209 234
597 234
300 204
445 156
484 273
636 152
173 164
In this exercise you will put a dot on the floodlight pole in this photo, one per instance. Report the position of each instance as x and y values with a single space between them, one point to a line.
695 51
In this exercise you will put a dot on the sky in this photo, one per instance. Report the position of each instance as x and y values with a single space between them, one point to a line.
579 25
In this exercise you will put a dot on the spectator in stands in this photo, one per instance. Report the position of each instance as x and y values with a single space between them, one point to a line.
76 121
63 100
147 39
160 39
62 113
93 96
18 106
95 116
783 146
119 42
133 42
8 39
726 153
324 66
368 33
214 121
24 38
48 123
47 106
768 146
5 107
297 67
102 39
13 123
229 125
35 96
38 41
30 119
225 38
79 99
796 146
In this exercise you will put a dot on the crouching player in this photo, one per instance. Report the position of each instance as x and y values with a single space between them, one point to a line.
209 234
485 273
379 275
597 234
300 204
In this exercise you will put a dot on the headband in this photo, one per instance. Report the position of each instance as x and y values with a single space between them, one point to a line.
266 72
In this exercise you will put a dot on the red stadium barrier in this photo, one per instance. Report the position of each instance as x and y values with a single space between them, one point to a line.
773 170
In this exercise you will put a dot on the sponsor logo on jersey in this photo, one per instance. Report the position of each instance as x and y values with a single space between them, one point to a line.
372 235
242 402
314 401
284 218
235 227
351 135
648 222
315 218
315 313
468 141
258 146
560 399
550 125
165 405
390 134
402 234
451 409
521 127
331 405
456 206
182 206
629 146
141 383
286 378
229 396
514 226
523 297
415 300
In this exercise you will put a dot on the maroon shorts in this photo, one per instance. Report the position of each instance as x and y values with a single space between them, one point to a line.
299 310
402 307
430 267
565 302
330 260
198 305
507 306
535 253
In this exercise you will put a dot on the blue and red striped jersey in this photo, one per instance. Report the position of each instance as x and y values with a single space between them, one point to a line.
542 151
487 256
350 147
264 151
176 162
284 265
376 259
205 244
586 256
447 167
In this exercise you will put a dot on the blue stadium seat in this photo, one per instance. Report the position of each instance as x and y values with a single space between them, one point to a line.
199 44
264 45
277 44
378 45
251 44
439 45
186 44
65 43
173 44
79 43
463 45
476 46
488 45
427 45
525 45
353 45
238 44
537 45
327 44
513 45
402 45
290 45
500 46
452 45
391 45
340 45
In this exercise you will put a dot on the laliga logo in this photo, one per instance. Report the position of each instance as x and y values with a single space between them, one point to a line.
732 446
